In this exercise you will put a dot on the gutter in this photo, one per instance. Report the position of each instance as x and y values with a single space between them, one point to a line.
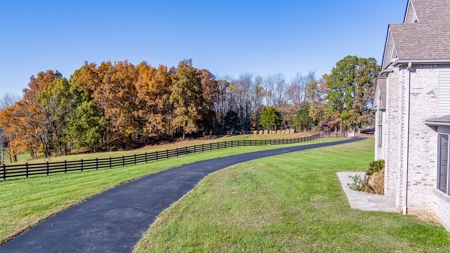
437 123
416 61
406 151
386 71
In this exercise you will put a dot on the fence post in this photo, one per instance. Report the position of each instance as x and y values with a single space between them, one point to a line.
123 161
81 165
210 146
195 151
145 157
203 148
185 150
96 163
218 147
48 170
177 152
134 159
110 162
167 154
26 169
4 171
65 166
156 155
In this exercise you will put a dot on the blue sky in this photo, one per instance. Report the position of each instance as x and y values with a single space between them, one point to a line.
227 37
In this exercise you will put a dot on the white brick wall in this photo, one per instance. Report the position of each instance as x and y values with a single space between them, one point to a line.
422 138
441 203
422 196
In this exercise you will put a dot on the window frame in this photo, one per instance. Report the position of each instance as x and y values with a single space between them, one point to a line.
438 171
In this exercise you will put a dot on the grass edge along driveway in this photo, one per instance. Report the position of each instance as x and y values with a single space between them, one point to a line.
26 202
288 203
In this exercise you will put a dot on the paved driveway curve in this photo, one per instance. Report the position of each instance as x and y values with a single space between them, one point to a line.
116 220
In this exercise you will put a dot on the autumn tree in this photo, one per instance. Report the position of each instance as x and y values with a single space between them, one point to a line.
186 97
211 92
86 125
316 95
351 87
55 103
34 121
153 93
7 101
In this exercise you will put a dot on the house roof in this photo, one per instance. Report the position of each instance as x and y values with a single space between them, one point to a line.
432 11
421 41
424 35
439 121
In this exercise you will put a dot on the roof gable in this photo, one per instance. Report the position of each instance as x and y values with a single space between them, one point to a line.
411 15
428 11
421 41
389 50
423 35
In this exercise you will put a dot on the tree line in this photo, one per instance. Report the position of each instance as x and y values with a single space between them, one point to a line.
119 105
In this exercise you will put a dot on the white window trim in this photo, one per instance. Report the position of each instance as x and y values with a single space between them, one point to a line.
438 169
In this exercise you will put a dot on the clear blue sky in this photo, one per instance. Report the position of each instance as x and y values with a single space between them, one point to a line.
228 37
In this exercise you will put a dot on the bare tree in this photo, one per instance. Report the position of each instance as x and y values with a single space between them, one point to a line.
276 88
298 89
8 100
258 95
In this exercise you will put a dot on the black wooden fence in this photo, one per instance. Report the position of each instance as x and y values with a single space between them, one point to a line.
33 169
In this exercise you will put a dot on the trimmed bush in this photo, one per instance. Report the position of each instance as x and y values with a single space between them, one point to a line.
375 166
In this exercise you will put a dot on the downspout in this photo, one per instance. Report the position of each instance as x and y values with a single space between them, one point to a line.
406 154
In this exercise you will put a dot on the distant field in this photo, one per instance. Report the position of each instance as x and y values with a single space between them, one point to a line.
288 203
25 202
182 143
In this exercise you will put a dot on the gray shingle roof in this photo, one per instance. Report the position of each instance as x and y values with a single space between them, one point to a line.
422 41
432 11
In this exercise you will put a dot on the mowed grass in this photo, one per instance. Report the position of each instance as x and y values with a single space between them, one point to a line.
288 203
23 158
25 202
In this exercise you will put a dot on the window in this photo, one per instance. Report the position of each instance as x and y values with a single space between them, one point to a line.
443 164
380 136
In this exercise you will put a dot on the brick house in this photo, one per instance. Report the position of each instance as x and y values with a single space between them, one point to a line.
412 103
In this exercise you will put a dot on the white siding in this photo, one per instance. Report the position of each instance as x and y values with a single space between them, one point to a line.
388 51
444 91
411 15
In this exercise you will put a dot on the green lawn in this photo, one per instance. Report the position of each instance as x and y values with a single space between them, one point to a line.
288 203
25 157
25 202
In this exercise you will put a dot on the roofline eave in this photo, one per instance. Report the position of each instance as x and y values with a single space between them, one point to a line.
433 61
437 123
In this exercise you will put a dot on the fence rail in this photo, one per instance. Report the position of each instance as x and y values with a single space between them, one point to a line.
33 169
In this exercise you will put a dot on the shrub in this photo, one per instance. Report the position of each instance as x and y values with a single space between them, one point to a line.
375 166
373 181
356 183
